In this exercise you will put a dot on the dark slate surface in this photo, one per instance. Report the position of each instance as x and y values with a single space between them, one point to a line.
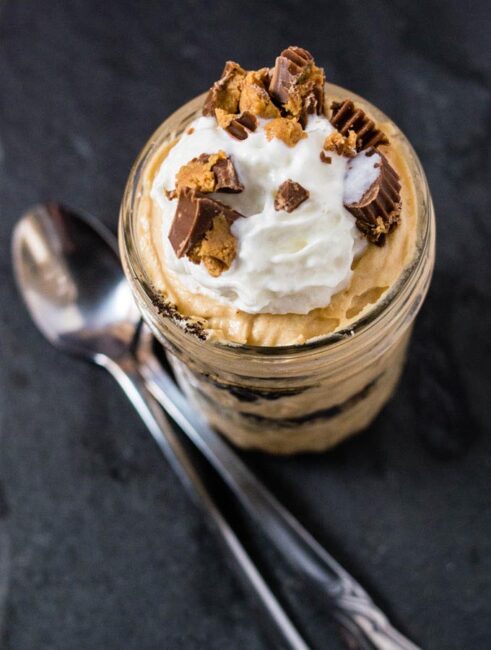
105 550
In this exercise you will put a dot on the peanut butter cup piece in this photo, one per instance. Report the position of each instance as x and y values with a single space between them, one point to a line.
290 68
226 177
194 216
225 93
255 98
378 211
217 249
198 173
238 126
289 196
342 145
297 83
208 173
346 117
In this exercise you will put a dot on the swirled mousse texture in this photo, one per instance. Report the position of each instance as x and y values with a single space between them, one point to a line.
287 262
275 219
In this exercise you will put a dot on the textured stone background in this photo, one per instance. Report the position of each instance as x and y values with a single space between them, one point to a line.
100 547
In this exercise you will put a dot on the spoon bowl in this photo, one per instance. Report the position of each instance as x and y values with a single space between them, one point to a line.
70 277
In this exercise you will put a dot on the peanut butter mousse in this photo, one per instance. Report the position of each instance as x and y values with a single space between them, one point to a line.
281 214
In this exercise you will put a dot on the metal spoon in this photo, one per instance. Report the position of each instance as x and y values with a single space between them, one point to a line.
363 624
70 277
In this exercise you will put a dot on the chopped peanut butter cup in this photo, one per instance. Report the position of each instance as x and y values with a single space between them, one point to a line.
345 117
225 93
378 210
208 173
238 126
217 249
255 98
226 177
289 69
342 145
198 173
297 83
294 88
289 196
194 216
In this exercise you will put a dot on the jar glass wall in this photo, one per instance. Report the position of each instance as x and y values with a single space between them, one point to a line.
286 399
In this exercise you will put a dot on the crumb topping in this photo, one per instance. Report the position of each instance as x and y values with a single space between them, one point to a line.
286 129
342 145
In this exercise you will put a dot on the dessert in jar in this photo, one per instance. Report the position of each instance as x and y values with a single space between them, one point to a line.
278 234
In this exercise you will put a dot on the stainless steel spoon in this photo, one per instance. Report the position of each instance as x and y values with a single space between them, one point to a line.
363 624
70 277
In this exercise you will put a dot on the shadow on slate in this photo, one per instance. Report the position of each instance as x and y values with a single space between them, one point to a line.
448 427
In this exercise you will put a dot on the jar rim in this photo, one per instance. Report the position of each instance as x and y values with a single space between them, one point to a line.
388 304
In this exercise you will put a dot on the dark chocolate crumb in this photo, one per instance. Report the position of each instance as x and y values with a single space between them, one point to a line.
169 310
323 414
289 196
253 394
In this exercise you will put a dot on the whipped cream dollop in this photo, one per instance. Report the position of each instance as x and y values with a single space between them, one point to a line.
286 262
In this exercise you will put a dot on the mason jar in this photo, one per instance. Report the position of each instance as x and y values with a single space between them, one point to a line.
295 398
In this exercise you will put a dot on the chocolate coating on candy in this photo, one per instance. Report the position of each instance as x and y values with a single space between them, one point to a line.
208 173
225 93
242 125
378 211
288 70
297 83
226 177
345 117
289 196
194 216
238 126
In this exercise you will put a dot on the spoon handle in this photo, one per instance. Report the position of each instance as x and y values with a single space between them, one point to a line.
126 373
363 624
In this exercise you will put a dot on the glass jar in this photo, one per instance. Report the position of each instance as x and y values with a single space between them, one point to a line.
295 398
